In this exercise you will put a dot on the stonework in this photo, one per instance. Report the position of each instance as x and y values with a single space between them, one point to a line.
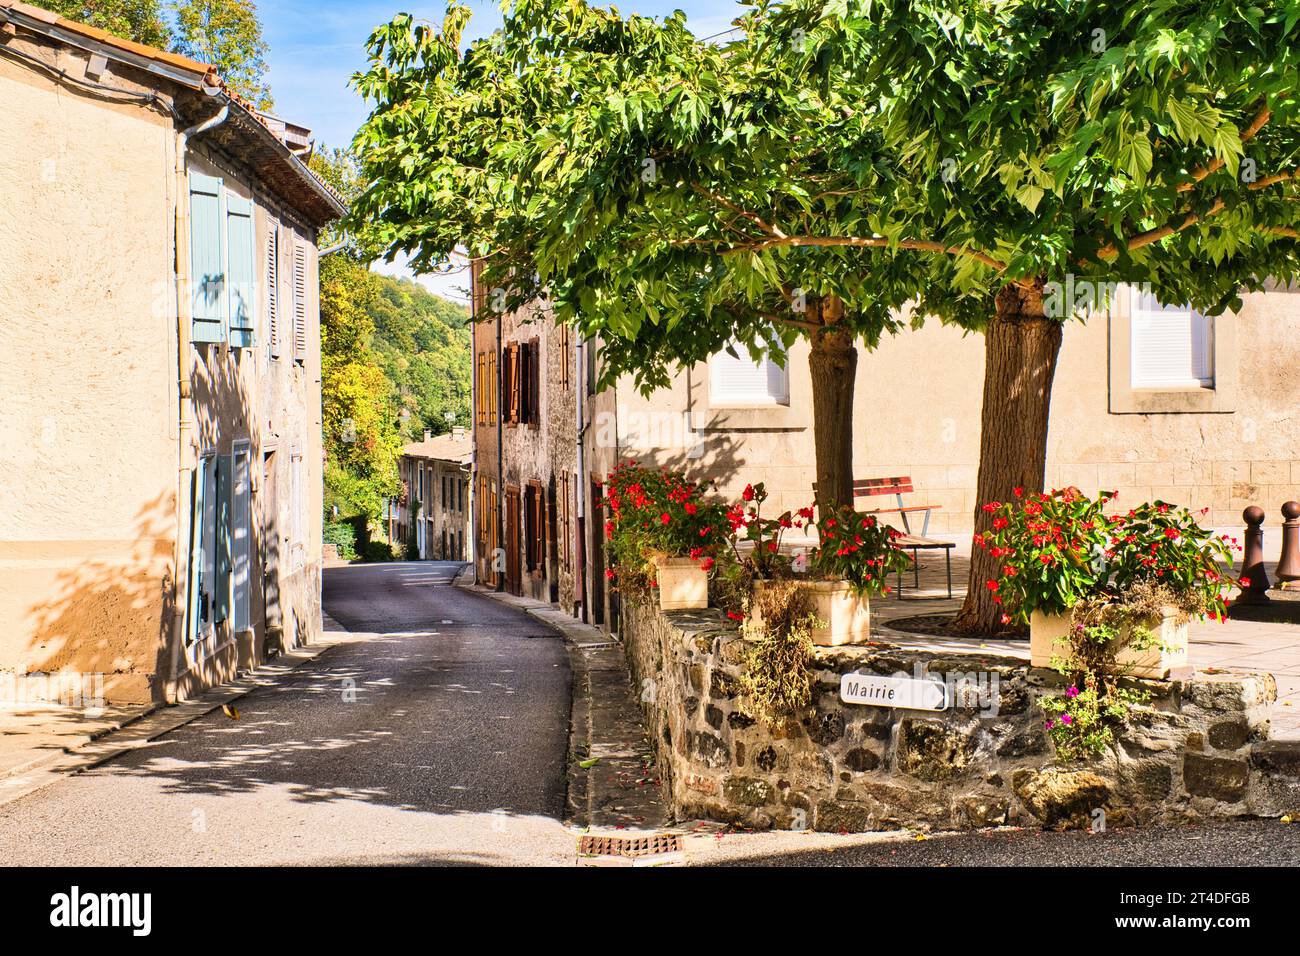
1198 749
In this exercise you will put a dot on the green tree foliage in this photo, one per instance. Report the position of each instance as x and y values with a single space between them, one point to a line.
359 420
423 343
228 35
138 20
836 161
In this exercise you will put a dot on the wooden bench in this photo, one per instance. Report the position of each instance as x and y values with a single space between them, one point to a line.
899 486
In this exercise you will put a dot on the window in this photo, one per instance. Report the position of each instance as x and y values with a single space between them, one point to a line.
566 357
1172 346
241 535
739 380
480 388
222 270
534 527
493 388
521 371
565 533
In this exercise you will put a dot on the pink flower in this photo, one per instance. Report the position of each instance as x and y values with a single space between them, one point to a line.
1072 692
1067 719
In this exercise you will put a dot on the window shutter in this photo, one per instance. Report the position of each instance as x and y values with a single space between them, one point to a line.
240 258
299 301
207 266
1171 346
224 576
511 359
273 288
534 382
739 380
492 387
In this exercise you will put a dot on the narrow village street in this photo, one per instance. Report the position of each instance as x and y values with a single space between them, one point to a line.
436 735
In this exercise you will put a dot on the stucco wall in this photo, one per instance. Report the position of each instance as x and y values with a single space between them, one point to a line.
87 370
917 412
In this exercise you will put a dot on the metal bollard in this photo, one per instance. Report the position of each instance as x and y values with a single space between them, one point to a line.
1252 562
1288 564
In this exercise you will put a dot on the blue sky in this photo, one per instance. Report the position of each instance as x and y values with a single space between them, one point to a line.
316 46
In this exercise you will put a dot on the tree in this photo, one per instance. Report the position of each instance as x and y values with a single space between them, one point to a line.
226 34
833 164
138 20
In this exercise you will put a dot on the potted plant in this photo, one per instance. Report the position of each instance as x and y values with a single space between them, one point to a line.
663 534
852 561
1142 576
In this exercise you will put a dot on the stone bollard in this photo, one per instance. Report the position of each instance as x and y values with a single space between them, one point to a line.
1252 562
1288 564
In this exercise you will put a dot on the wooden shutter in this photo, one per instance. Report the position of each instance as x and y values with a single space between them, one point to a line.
273 287
534 398
1171 346
299 301
207 261
513 384
493 389
240 260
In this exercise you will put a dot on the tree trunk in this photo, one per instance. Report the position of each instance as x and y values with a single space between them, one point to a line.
1020 350
833 365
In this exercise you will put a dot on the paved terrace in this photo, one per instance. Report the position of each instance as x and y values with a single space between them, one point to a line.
1237 645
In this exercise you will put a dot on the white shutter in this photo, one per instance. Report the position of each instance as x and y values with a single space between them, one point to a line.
1171 346
273 287
739 380
299 301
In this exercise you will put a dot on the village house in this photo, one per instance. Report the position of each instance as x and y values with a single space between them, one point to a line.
436 474
160 438
1150 401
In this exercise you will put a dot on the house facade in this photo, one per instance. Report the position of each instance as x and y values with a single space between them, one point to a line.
433 521
1150 401
160 446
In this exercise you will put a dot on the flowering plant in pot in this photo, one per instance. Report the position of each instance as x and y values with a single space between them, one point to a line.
663 534
1067 563
852 561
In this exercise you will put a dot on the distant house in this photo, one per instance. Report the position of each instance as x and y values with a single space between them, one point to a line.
436 473
160 437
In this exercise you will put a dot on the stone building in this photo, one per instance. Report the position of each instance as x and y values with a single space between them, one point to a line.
160 438
1151 401
525 454
436 475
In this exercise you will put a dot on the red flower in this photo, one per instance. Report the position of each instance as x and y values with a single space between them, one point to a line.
691 507
664 518
1006 618
609 573
707 564
748 493
734 616
991 584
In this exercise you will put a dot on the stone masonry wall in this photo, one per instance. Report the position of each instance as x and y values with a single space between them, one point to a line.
1198 749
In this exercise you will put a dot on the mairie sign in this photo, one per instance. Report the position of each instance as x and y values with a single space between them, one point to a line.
906 693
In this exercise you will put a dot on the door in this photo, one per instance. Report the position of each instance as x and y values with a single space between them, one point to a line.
270 510
241 535
513 581
596 536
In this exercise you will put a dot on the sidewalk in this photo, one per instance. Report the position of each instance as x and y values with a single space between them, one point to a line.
38 744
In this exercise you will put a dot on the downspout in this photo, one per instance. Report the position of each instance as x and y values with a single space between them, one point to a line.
580 525
501 468
185 445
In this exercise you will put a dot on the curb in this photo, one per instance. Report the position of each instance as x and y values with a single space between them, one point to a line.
138 730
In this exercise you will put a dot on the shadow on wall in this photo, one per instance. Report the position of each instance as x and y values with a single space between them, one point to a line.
112 616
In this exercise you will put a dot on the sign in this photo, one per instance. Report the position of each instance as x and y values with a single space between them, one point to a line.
906 693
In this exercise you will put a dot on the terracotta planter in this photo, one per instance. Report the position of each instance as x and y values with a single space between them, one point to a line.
845 616
1047 633
682 583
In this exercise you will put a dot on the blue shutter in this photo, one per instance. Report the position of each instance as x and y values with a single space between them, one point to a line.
240 259
224 563
197 542
207 265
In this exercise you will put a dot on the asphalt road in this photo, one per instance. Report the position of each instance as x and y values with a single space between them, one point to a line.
438 735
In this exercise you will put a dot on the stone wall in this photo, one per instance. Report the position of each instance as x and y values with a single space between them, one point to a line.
1198 749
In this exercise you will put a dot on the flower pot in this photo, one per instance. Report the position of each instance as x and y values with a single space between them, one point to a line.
845 616
1048 633
682 584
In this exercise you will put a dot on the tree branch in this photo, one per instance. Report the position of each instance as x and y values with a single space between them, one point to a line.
1215 165
857 242
728 204
1155 235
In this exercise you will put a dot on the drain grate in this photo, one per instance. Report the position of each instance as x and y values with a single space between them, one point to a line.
629 846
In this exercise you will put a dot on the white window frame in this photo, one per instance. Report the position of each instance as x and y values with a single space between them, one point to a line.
740 382
1157 326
